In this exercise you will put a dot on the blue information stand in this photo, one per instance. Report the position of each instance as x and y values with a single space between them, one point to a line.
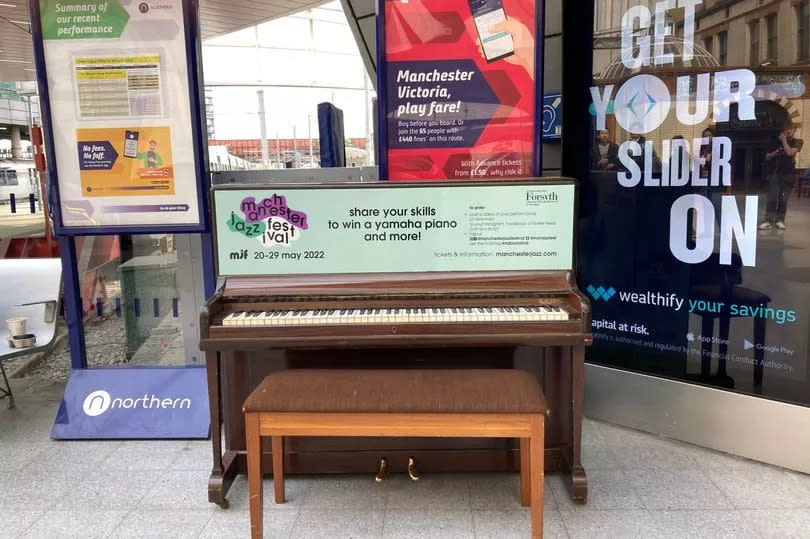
135 400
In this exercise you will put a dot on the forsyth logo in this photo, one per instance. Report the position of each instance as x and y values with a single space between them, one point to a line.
98 402
600 292
540 197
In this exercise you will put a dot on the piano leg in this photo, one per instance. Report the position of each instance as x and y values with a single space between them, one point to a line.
578 482
222 474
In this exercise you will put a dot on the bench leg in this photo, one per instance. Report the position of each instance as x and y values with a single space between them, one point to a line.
536 450
278 467
254 464
525 473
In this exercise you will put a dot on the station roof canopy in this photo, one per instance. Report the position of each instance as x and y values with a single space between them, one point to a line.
216 17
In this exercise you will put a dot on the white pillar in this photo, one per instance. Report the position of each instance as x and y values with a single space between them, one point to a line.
16 143
263 129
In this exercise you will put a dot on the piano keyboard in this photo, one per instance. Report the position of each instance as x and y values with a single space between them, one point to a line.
395 316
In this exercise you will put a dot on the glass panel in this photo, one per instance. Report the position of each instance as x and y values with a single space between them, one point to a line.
694 217
132 300
25 217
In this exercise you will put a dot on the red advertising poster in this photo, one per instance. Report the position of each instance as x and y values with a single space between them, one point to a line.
458 89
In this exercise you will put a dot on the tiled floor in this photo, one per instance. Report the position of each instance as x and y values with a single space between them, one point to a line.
640 486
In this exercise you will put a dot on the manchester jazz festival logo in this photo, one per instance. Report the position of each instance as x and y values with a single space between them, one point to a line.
270 221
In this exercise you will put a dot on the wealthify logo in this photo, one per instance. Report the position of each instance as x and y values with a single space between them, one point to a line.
600 292
98 402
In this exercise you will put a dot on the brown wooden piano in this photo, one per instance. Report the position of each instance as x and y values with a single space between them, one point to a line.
532 320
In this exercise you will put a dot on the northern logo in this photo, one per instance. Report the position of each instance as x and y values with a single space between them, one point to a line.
100 401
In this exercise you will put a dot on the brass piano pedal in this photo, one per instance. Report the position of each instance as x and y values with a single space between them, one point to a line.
382 475
412 472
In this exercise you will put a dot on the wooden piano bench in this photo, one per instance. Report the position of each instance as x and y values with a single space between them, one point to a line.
474 403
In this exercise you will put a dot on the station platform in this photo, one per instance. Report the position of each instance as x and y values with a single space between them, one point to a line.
641 486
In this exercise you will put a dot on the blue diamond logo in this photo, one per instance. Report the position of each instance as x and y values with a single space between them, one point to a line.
650 104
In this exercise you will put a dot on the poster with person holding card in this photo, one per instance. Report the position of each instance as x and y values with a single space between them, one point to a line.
458 89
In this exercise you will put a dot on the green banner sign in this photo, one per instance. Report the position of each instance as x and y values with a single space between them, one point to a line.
82 19
395 228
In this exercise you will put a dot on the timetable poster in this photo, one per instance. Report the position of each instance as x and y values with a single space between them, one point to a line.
459 89
395 229
123 151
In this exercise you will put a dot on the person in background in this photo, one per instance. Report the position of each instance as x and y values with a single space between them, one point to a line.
706 153
605 153
683 155
781 166
641 140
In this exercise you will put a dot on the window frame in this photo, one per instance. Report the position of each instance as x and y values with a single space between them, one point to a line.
772 41
803 32
722 47
754 42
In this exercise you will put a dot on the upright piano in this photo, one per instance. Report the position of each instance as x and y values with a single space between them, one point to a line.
498 290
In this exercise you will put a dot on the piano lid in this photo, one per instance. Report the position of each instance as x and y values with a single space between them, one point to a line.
525 225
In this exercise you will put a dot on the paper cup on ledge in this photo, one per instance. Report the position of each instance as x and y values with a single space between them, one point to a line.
16 325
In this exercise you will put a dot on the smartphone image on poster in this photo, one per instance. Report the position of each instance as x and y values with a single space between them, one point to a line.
487 13
131 144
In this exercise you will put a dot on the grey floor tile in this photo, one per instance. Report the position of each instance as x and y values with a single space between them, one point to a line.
14 522
608 524
490 491
28 422
228 524
163 523
75 523
178 490
710 459
338 523
762 487
800 482
196 455
596 455
346 492
76 454
677 489
637 450
33 489
516 524
446 524
296 489
590 431
607 489
106 489
434 491
143 455
781 523
710 524
17 456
